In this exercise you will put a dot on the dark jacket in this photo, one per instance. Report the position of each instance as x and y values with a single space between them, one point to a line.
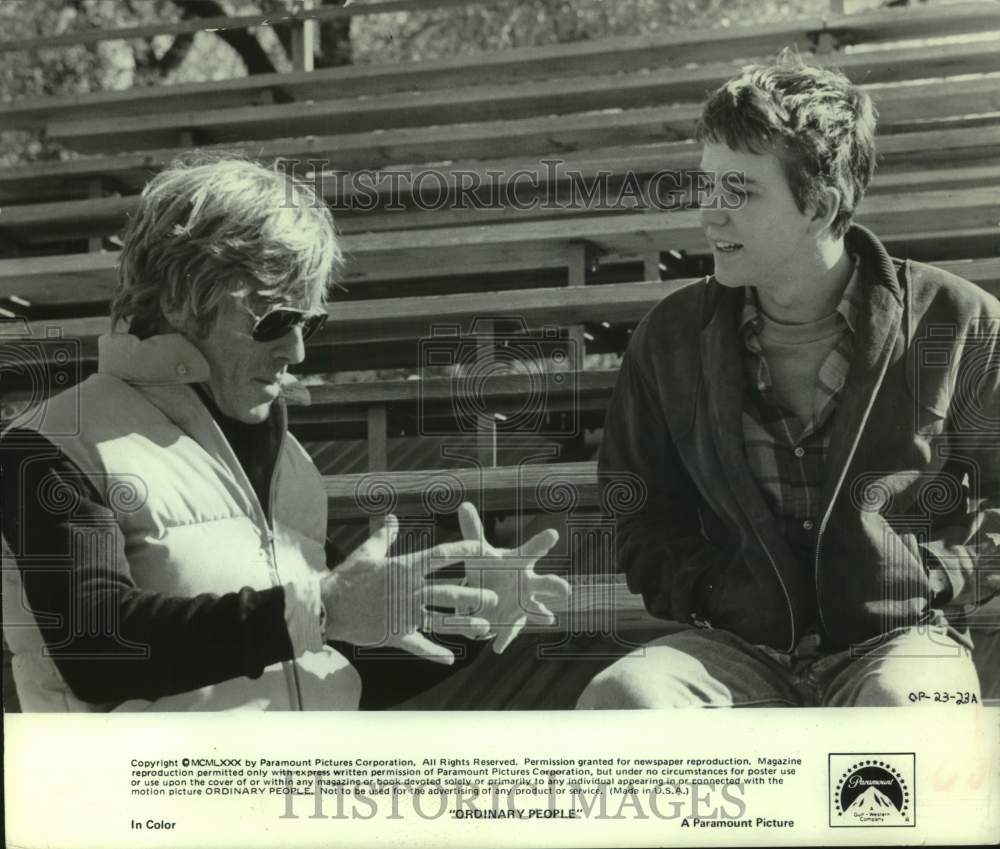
913 475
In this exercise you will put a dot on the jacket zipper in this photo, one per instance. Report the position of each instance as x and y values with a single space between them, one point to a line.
784 589
840 482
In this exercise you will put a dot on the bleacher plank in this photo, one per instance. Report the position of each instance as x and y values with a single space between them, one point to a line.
913 22
566 385
933 179
542 244
377 322
493 140
600 56
36 224
489 101
352 323
416 493
527 393
517 65
545 488
545 244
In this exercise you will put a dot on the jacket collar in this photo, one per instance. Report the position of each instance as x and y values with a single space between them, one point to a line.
164 359
876 344
169 359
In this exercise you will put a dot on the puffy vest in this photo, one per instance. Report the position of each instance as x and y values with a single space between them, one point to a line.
189 522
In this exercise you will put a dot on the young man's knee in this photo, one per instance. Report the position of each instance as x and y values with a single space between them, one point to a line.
899 683
622 688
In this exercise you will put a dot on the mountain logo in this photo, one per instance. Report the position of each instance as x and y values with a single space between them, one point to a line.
871 790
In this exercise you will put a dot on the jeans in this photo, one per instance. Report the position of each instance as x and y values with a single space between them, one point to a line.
715 668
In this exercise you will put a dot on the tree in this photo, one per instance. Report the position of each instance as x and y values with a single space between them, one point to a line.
113 65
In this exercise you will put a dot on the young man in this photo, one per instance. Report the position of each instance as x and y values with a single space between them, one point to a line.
168 532
817 426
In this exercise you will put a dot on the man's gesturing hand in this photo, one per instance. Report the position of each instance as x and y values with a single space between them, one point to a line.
510 574
372 599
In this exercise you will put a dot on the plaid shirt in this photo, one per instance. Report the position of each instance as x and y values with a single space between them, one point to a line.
787 457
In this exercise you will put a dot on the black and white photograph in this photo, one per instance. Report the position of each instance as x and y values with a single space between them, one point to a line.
413 411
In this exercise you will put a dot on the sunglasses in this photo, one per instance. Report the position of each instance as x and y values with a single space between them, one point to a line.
276 322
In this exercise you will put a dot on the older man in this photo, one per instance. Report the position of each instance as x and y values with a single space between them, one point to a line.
169 533
817 428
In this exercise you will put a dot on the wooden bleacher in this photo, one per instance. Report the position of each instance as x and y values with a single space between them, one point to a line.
586 270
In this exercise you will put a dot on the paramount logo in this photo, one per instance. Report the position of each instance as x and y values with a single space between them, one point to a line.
871 790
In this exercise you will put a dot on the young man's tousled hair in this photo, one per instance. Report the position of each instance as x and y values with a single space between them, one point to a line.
207 228
820 125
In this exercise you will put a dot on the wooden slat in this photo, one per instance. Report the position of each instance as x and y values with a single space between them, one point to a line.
934 179
568 386
914 22
504 247
373 321
509 488
33 224
607 55
446 400
547 136
600 56
544 244
353 321
491 102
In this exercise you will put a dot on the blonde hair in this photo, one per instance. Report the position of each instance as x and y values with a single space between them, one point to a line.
206 228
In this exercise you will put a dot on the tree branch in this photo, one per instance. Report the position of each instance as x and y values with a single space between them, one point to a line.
246 45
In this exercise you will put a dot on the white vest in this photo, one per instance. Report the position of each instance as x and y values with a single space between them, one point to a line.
189 522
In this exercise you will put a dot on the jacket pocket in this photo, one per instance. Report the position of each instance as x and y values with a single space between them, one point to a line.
733 598
931 382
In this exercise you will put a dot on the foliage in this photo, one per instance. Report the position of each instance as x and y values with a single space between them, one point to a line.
449 32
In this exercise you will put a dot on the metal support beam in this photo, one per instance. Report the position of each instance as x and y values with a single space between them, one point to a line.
651 266
378 450
95 190
305 40
583 258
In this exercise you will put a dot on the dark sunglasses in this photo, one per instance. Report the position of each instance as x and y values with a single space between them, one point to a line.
276 322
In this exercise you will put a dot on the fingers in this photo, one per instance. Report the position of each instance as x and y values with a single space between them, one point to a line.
538 546
469 521
431 559
539 614
417 644
551 587
473 627
505 636
463 599
379 543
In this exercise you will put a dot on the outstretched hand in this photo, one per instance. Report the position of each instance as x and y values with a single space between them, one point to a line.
372 599
510 575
